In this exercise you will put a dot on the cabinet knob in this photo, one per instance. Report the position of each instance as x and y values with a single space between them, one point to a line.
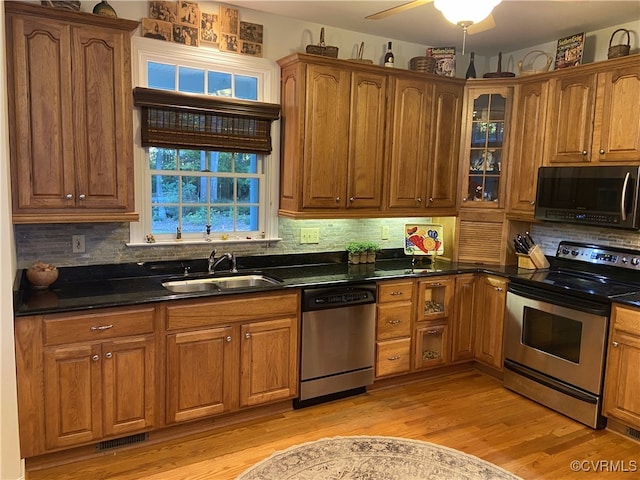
228 339
419 199
69 196
337 199
498 289
101 328
584 152
82 196
247 335
430 199
615 344
532 202
95 357
395 357
464 199
351 199
602 151
108 354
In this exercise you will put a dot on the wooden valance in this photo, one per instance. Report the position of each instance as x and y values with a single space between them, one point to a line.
204 122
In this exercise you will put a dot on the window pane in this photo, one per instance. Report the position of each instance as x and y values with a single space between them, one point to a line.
221 190
219 84
222 219
248 190
191 80
162 76
246 87
194 189
194 219
247 219
164 219
164 188
162 159
246 163
224 163
192 160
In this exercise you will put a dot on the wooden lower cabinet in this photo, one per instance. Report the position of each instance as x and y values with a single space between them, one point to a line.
228 353
622 382
431 345
463 324
393 357
490 311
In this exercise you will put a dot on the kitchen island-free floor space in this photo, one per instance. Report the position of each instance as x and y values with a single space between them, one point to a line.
468 411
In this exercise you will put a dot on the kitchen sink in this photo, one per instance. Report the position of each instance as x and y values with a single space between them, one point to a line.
217 284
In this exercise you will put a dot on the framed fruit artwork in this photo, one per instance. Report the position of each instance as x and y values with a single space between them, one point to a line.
423 239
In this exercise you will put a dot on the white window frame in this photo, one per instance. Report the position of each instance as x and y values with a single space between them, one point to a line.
146 50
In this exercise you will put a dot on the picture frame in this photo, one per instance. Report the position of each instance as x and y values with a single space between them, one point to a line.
250 48
251 32
157 29
163 10
229 21
188 14
209 28
185 35
228 43
569 51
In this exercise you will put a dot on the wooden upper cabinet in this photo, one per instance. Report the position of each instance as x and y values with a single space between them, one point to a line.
70 111
594 115
528 148
410 136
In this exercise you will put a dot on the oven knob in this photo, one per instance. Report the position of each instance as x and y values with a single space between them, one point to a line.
624 260
635 261
565 251
574 253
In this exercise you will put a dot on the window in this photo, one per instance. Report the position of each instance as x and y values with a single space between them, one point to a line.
227 191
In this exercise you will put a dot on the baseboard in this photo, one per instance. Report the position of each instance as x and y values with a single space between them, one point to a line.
620 428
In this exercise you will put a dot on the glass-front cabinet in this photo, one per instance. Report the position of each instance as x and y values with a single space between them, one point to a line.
485 154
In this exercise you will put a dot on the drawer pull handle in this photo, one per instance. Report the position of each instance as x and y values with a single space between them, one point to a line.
396 357
432 332
396 293
101 327
498 289
95 357
615 344
436 284
394 322
108 355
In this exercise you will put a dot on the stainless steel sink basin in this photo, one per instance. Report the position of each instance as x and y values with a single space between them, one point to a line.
214 284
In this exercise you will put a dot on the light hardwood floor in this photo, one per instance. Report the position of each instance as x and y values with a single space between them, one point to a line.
468 411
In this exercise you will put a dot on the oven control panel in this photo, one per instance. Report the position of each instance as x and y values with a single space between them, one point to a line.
618 257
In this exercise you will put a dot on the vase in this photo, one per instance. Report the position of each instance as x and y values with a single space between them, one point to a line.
103 8
354 258
371 257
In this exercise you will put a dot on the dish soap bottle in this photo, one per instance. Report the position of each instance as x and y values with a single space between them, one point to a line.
471 70
388 57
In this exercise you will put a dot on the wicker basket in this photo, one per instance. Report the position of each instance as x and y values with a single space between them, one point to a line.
423 64
538 53
621 50
322 49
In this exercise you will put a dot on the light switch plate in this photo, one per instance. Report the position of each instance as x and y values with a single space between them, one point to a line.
77 244
309 235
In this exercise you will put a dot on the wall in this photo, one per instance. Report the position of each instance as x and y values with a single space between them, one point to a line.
549 235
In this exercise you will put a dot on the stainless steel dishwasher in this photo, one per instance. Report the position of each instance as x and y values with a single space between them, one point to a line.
337 342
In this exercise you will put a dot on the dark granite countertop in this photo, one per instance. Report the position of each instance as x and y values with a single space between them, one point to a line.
633 299
99 286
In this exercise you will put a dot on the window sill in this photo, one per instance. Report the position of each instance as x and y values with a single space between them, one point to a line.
213 241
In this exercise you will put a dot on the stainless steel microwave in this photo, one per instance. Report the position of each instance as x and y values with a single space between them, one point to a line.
606 196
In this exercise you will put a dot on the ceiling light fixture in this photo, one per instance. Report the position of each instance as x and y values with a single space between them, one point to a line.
465 12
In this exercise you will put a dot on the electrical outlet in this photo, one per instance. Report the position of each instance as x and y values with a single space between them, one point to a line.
385 232
309 235
77 244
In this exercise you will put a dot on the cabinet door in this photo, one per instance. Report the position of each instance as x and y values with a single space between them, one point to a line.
393 357
570 124
102 118
201 373
622 384
410 132
463 323
366 140
326 137
42 145
432 346
435 299
128 384
444 146
268 361
491 305
617 131
72 395
528 150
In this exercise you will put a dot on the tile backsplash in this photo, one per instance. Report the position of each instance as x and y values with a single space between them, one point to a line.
106 242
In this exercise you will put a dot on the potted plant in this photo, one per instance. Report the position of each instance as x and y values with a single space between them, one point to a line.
371 248
362 252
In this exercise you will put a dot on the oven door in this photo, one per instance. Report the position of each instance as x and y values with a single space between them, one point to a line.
549 335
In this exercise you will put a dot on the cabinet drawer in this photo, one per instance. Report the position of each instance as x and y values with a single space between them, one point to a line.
626 320
393 357
235 308
395 291
394 320
67 328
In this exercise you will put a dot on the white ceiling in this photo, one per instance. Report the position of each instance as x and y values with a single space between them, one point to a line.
519 23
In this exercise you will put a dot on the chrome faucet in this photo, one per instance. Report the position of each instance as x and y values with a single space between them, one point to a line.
213 263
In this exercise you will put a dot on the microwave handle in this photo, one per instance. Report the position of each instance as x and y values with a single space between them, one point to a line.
623 197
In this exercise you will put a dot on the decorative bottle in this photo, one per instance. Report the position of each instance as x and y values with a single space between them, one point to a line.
471 71
388 57
103 8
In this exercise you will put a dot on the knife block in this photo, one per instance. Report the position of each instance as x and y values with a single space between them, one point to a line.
533 260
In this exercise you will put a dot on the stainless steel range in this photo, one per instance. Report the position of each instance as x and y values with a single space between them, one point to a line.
557 324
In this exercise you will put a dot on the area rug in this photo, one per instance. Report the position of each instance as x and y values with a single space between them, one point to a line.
373 458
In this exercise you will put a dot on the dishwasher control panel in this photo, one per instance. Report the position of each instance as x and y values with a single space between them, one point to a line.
337 297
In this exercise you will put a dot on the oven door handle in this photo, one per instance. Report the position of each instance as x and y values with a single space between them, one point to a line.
581 304
623 198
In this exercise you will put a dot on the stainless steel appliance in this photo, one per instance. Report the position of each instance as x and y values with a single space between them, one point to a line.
604 195
557 323
337 342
